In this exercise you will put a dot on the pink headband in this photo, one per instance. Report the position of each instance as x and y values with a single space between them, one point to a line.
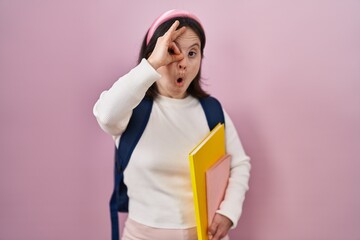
167 16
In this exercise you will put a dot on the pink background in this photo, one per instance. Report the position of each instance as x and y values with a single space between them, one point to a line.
288 72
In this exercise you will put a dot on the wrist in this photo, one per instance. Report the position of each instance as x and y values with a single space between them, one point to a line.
153 63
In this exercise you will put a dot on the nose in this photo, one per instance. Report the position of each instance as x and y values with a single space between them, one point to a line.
182 64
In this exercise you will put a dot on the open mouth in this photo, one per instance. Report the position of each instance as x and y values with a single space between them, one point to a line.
180 81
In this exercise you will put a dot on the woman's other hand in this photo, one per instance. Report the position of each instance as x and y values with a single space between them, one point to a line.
219 227
166 51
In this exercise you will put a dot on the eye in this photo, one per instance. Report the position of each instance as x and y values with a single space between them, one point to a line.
192 54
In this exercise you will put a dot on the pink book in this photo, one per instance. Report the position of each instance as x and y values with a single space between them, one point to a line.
217 177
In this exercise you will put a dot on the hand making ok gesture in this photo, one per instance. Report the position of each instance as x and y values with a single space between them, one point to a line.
166 51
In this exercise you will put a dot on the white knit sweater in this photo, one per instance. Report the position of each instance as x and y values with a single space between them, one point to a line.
157 176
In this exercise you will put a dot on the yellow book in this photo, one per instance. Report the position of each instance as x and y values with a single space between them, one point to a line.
202 157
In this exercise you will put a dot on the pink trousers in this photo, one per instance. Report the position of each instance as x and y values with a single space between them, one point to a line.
136 231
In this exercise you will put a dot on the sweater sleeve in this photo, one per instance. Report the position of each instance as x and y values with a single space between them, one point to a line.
114 107
231 206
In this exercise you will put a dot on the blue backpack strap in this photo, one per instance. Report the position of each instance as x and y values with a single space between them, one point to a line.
119 200
213 111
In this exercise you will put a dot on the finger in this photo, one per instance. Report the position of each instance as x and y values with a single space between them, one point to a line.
221 232
212 229
173 33
174 57
177 58
172 28
175 53
218 235
173 48
178 33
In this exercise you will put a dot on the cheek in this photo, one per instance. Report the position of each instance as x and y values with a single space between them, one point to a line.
195 68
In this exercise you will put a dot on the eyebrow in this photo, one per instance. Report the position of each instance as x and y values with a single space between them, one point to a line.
197 44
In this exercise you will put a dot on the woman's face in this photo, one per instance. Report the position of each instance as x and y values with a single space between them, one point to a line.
177 76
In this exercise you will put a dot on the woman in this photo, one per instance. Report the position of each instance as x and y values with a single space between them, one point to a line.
157 176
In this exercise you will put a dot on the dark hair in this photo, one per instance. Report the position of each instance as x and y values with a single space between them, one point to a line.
146 49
